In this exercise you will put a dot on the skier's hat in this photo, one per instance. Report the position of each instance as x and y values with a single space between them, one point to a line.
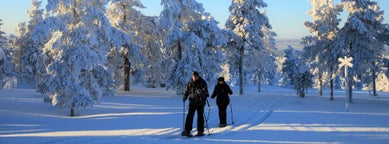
220 79
195 73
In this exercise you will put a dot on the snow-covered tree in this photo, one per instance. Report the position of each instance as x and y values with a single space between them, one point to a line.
211 57
3 58
3 39
26 51
386 65
297 71
320 50
246 21
17 42
359 39
384 34
77 38
8 77
268 67
191 43
289 66
124 16
302 80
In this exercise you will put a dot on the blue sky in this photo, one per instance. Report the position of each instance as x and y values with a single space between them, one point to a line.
286 16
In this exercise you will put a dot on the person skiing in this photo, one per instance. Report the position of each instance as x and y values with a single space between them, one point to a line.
197 91
222 92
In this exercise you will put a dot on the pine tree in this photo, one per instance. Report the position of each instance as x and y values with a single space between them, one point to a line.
289 66
302 79
26 51
77 38
297 71
8 77
384 34
17 42
268 67
320 50
210 58
3 58
191 44
124 16
246 21
358 38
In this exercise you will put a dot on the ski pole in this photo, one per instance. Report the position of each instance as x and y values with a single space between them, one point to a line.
206 120
209 109
232 115
183 116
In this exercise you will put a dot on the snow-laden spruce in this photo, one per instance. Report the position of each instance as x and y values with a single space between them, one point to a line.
359 39
192 42
77 38
123 15
8 77
320 50
26 51
246 47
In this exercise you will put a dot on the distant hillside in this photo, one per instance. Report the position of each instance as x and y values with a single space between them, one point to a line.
282 44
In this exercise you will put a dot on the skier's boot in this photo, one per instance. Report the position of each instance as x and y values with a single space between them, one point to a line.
222 125
200 133
186 133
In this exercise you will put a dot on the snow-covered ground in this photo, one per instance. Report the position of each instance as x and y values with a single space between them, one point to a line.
144 115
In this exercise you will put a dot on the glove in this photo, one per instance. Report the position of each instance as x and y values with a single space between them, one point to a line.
184 98
198 92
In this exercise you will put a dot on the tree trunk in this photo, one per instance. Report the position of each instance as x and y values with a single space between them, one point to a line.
320 84
332 89
374 82
350 93
126 72
124 16
179 49
331 85
350 81
73 110
259 81
241 52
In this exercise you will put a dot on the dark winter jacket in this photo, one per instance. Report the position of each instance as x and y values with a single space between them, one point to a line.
221 91
197 92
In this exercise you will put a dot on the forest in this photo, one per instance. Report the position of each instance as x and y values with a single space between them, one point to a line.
76 51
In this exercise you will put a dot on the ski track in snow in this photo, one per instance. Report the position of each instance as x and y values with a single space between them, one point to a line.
258 110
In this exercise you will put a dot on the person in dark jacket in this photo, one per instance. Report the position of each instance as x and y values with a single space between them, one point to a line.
197 91
222 91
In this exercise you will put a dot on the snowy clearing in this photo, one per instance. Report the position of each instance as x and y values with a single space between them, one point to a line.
144 115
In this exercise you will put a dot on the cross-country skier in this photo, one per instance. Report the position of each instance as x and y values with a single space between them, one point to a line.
222 92
197 91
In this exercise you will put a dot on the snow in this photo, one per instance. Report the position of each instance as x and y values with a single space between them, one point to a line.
276 115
